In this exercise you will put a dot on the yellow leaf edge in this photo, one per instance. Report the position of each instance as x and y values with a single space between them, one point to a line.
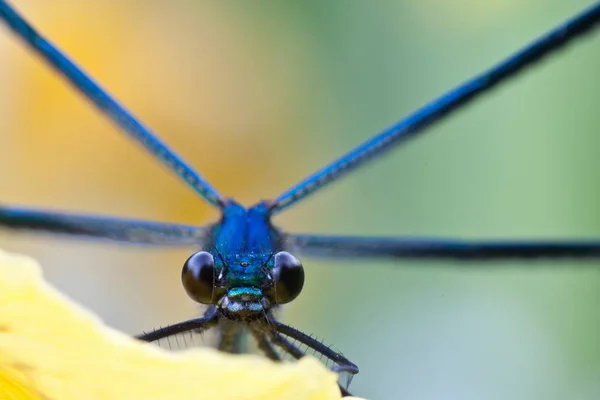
53 349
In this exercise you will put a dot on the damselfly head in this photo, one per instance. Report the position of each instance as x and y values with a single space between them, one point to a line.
245 287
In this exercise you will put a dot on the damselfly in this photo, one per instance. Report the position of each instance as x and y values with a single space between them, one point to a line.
244 269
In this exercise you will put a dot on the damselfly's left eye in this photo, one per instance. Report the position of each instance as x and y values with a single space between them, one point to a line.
199 276
288 276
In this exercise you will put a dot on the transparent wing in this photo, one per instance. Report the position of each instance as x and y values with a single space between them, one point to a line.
116 229
109 106
438 109
353 247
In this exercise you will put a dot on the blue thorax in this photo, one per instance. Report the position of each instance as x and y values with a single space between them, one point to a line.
244 245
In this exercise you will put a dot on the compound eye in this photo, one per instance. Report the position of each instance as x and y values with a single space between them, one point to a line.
199 276
288 275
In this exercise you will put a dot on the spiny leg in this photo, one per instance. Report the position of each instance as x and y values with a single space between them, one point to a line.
348 247
106 104
433 112
286 345
264 345
297 353
116 229
199 325
342 363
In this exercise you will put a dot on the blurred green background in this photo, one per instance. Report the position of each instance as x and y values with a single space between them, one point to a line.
256 95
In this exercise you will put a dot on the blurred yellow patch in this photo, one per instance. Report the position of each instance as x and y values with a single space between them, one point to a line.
52 349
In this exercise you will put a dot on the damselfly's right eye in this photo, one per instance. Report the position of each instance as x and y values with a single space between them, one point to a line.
199 276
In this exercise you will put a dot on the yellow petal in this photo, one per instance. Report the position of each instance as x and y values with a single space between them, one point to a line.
50 348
